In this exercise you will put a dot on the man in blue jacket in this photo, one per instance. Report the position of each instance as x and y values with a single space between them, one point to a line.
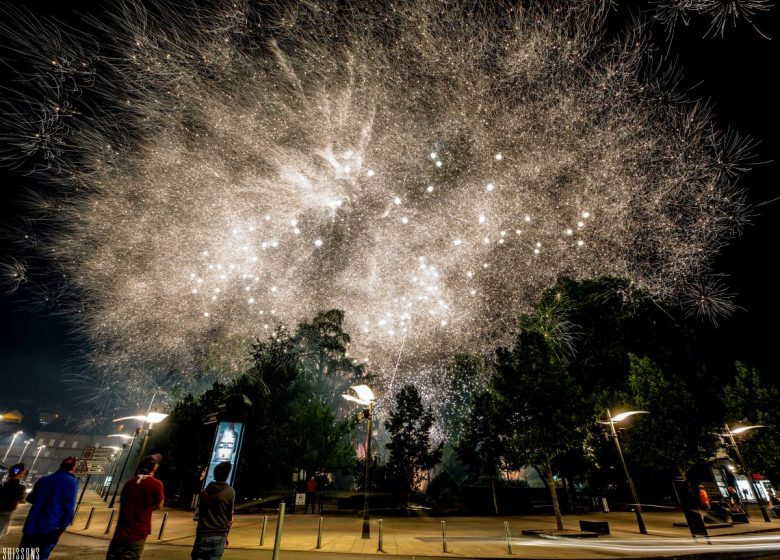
53 502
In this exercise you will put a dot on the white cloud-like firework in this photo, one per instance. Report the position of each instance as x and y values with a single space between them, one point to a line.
428 167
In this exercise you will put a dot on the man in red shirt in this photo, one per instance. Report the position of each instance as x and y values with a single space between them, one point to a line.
141 495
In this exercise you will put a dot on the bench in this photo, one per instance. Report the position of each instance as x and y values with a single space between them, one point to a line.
599 527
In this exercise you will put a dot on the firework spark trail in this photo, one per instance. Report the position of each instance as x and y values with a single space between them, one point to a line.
430 168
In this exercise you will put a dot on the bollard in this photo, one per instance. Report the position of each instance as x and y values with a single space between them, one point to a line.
444 536
162 526
508 535
278 536
380 548
319 534
262 530
110 521
89 518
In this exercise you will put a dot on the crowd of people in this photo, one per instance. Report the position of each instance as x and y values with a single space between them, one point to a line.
53 505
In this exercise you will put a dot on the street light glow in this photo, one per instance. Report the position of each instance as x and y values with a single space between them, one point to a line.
152 418
365 395
123 436
623 415
743 429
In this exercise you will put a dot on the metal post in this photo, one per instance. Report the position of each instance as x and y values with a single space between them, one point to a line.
110 521
380 547
89 517
30 470
107 490
147 435
162 526
319 533
278 535
13 440
81 497
638 510
366 524
444 536
752 482
262 530
508 536
122 472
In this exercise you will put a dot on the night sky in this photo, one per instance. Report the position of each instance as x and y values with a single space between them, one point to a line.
738 73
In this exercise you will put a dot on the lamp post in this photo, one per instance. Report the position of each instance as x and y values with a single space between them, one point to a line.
111 470
26 445
13 440
613 433
29 472
124 466
759 501
365 396
152 418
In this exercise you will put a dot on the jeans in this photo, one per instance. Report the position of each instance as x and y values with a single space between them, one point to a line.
209 547
5 521
44 543
125 551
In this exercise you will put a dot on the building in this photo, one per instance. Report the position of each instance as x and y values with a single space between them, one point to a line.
44 451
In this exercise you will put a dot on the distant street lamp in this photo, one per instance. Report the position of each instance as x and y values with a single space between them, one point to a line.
29 472
365 396
736 432
613 433
124 466
27 443
112 468
152 418
7 451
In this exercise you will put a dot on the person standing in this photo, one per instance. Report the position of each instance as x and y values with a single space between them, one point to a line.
311 495
140 496
215 516
12 492
53 500
704 498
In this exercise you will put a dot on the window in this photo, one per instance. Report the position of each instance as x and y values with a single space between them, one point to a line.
47 453
75 445
62 443
40 441
51 442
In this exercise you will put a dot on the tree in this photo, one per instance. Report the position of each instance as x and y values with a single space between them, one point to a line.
674 436
288 428
544 411
323 351
412 453
481 444
749 399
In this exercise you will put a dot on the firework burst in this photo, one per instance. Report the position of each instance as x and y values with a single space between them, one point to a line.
429 167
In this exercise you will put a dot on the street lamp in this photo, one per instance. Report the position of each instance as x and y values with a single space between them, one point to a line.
27 443
7 451
365 396
613 433
113 465
29 472
152 418
736 432
124 466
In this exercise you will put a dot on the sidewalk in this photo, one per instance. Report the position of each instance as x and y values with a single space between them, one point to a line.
469 537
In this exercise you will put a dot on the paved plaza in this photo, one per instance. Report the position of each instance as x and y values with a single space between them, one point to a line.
411 537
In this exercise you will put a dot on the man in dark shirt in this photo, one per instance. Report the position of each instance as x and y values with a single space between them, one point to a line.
11 493
215 516
53 502
141 495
